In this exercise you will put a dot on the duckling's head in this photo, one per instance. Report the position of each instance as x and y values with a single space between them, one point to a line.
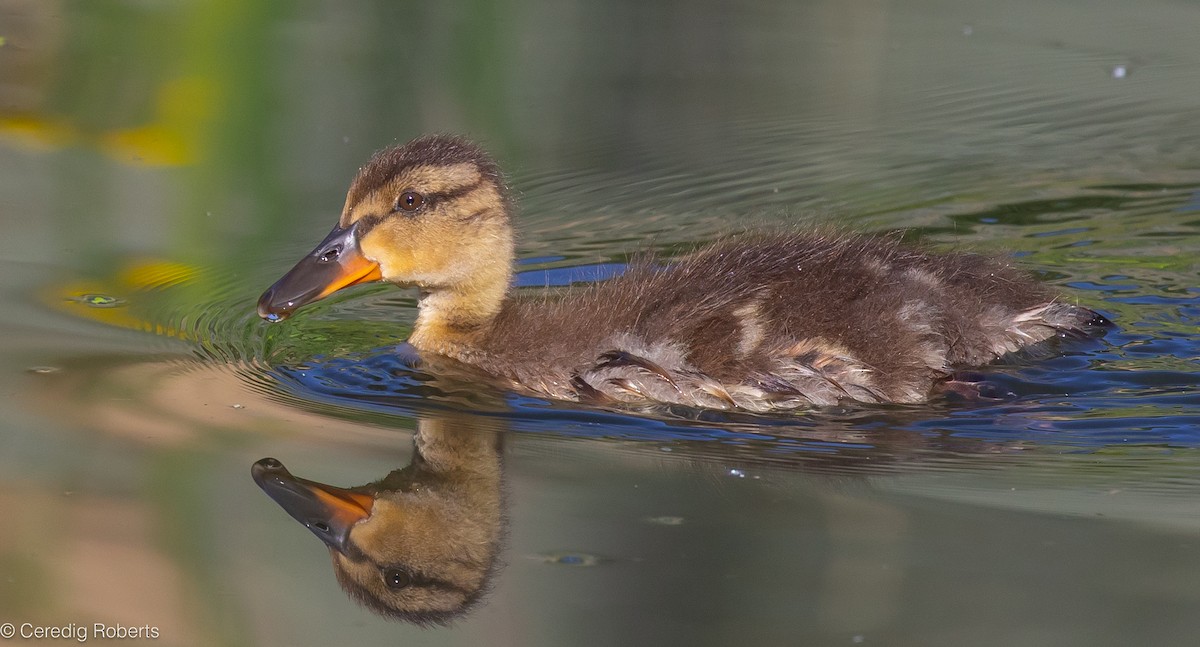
400 546
432 213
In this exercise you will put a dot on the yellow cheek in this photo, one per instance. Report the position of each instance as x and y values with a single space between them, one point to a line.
396 264
412 261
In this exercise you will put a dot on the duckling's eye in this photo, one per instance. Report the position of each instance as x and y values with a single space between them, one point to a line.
396 578
409 201
330 254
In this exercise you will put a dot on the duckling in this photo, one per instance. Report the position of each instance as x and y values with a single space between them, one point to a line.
758 322
420 544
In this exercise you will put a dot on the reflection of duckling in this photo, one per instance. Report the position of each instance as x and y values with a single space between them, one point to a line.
419 544
761 323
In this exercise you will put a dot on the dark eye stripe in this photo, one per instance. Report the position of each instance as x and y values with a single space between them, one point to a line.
419 579
455 193
368 222
354 553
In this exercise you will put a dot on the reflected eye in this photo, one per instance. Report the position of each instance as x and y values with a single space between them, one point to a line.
409 201
396 578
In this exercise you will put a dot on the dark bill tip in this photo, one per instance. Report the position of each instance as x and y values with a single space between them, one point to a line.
329 512
335 263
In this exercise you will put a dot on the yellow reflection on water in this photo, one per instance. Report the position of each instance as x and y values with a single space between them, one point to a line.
106 300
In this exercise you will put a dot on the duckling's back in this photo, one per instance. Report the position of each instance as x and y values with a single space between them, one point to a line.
777 322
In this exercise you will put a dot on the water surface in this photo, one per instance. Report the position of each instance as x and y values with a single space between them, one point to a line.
162 165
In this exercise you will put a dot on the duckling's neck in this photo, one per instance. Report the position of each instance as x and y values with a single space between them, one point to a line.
452 319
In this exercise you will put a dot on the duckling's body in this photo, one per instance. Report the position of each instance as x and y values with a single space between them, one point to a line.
774 322
760 323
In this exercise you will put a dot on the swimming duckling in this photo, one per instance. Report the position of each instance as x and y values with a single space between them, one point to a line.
420 544
761 322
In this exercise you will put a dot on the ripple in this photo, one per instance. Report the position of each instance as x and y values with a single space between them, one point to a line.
1117 245
1137 387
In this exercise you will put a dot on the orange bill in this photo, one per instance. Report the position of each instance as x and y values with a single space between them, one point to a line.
335 263
329 512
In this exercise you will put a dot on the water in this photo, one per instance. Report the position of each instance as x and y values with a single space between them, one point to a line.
161 166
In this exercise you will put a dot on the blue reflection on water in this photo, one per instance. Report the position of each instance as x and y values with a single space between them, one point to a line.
568 275
1073 399
1081 394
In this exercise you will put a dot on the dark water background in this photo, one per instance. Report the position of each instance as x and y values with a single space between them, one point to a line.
162 163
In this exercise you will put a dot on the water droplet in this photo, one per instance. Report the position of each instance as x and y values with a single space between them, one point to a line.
968 30
858 639
737 473
238 406
42 370
1119 71
665 521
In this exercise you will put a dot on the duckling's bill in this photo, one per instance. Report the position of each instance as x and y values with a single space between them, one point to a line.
335 263
329 512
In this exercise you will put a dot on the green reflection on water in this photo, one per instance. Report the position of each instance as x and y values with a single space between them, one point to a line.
178 157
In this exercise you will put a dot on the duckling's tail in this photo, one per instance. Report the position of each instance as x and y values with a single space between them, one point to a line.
1056 319
1059 319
